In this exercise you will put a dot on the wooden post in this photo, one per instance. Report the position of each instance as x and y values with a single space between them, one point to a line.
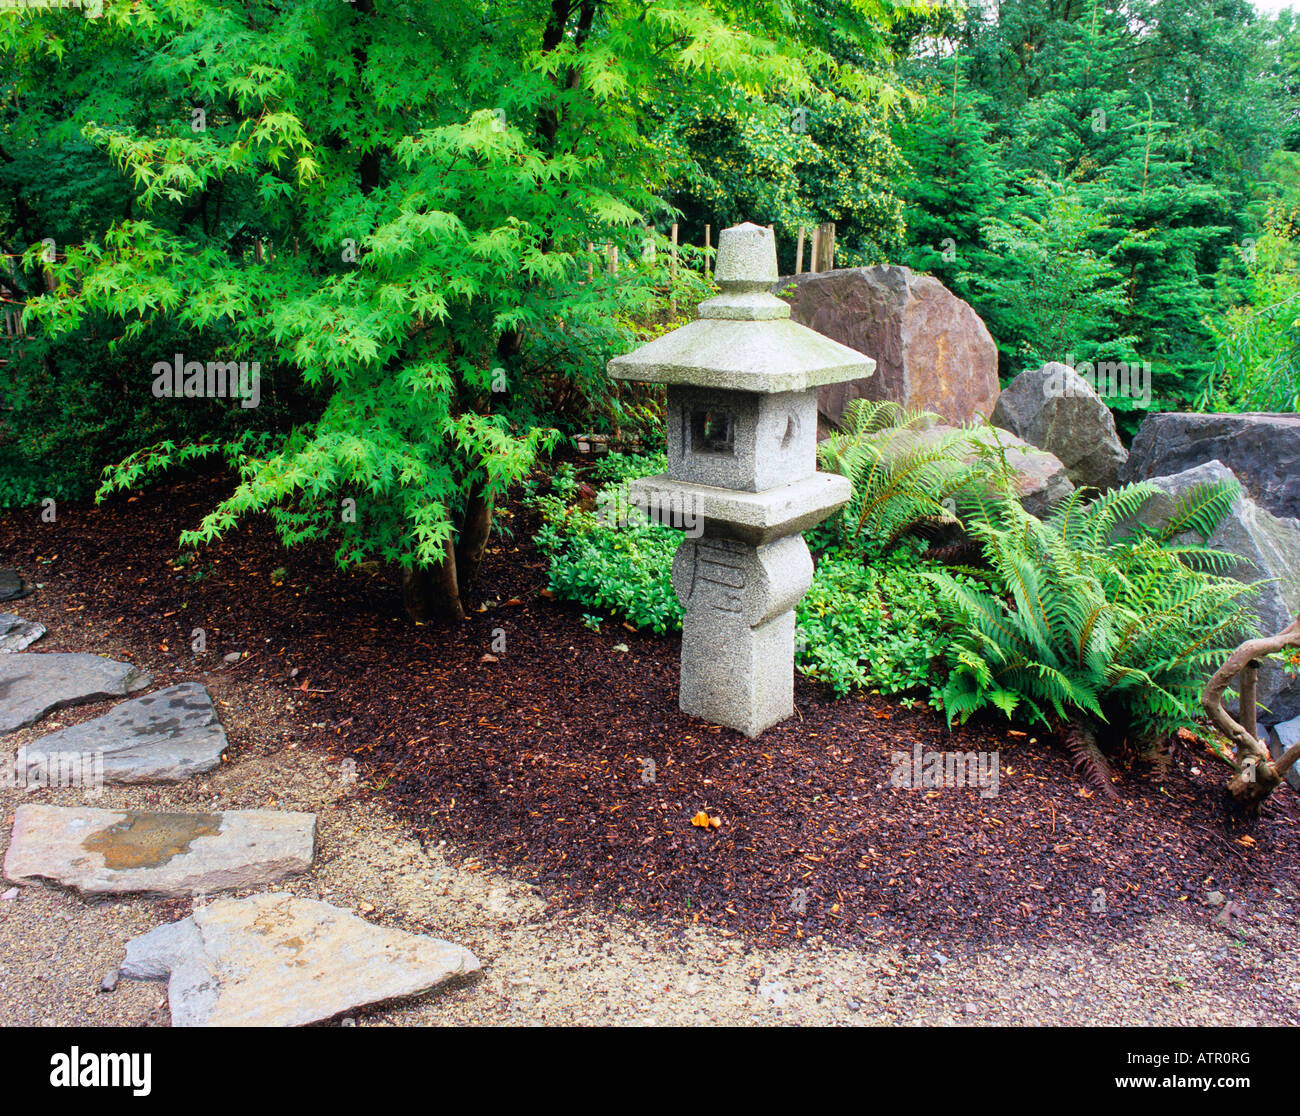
708 232
613 259
672 271
591 268
798 254
824 247
815 256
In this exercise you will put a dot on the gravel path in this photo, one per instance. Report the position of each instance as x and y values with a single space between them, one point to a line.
598 968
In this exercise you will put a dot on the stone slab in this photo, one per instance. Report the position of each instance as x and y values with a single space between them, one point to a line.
32 685
17 634
162 737
278 961
116 852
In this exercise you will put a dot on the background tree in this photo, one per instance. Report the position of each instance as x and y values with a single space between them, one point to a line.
404 210
1159 118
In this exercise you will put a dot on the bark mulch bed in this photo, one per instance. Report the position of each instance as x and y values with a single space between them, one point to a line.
534 763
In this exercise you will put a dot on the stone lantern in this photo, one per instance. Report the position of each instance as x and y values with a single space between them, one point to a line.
742 480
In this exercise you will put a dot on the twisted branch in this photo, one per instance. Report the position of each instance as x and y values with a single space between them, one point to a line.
1258 774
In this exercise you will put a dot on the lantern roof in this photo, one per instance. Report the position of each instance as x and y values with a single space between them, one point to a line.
744 339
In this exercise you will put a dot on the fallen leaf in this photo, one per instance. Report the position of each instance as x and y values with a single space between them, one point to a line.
489 659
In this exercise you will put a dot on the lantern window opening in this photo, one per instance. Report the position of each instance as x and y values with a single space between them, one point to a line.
713 430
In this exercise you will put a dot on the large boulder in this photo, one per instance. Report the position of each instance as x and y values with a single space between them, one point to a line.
932 352
1269 549
1263 450
1056 409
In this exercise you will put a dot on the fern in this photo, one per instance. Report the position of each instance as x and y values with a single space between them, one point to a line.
1092 621
1088 759
905 473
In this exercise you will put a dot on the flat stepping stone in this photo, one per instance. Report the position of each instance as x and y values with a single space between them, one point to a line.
32 685
163 737
12 587
17 634
121 852
278 961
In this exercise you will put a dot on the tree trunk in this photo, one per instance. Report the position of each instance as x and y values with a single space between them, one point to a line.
433 593
474 535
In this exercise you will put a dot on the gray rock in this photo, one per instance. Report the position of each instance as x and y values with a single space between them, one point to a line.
107 852
17 634
32 685
110 981
277 961
1263 450
162 737
12 587
1055 409
1269 549
1280 738
932 351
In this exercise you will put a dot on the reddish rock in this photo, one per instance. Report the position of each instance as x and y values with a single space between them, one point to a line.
932 352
